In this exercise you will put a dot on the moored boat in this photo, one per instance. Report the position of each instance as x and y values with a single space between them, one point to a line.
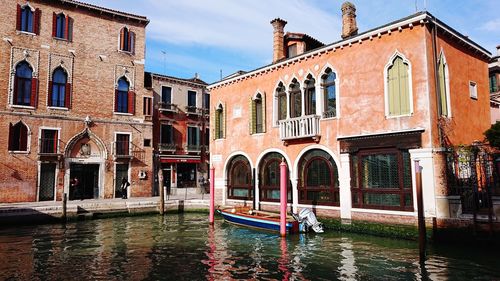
246 216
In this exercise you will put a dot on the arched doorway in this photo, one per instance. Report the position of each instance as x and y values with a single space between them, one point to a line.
318 181
270 176
240 179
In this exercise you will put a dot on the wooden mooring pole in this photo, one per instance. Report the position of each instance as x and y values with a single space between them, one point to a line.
283 197
162 192
64 207
420 209
212 196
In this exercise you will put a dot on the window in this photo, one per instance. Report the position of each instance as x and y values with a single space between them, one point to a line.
295 99
310 95
206 101
257 118
269 181
147 143
219 122
328 84
292 50
191 107
59 89
18 137
382 179
166 95
24 85
124 97
62 26
493 83
167 138
193 138
318 180
473 90
240 179
282 102
28 19
443 86
398 87
207 138
147 106
122 145
127 40
48 142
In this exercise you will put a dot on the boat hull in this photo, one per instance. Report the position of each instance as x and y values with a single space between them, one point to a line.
254 221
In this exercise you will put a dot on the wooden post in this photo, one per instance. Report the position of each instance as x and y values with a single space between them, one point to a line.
283 197
64 207
420 210
212 196
162 192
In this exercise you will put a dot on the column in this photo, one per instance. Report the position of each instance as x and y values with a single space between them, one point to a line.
345 188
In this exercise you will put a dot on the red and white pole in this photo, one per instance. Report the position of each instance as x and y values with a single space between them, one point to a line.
283 197
212 196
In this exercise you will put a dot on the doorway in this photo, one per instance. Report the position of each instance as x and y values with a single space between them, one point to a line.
47 181
167 181
121 172
88 177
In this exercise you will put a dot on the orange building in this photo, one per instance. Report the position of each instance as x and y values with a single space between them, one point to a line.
73 102
350 118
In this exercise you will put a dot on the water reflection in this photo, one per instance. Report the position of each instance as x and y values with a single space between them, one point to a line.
184 247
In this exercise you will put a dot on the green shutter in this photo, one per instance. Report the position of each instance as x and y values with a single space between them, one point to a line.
442 89
404 88
217 124
252 117
391 81
224 113
398 88
263 112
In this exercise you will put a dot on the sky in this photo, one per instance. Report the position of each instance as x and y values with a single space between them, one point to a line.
208 37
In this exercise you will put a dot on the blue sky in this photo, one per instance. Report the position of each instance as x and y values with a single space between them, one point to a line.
205 37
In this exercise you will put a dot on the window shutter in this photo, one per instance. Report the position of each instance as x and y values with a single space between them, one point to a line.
224 113
442 89
404 88
11 137
251 119
36 27
66 30
391 81
54 25
49 95
129 38
34 90
122 38
69 28
23 135
67 95
19 17
131 102
263 112
132 42
116 100
213 123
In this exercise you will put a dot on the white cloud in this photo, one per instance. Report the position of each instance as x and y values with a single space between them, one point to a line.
492 25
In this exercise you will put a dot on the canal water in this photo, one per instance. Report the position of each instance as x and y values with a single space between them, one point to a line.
184 247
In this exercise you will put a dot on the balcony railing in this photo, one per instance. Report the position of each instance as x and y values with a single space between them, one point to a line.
122 149
193 110
165 106
49 146
193 148
167 147
300 127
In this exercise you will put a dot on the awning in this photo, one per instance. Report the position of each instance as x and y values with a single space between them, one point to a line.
180 159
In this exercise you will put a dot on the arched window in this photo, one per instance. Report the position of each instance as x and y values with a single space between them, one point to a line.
443 86
269 178
59 82
219 122
282 103
23 84
62 26
240 179
398 87
318 179
310 95
122 95
127 40
295 99
28 19
257 118
329 93
18 137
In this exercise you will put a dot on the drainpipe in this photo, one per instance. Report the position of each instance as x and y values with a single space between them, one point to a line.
436 79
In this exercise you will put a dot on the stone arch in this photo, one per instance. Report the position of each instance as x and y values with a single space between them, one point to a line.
267 191
239 186
71 146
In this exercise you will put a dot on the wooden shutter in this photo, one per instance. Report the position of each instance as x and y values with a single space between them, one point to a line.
391 81
66 29
67 95
69 28
11 137
404 87
34 90
224 113
213 123
442 89
49 93
19 17
122 38
54 25
263 112
36 27
23 137
131 39
116 100
131 102
218 116
251 118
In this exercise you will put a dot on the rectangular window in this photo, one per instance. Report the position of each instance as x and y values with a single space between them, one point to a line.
207 137
147 106
166 94
292 50
166 136
122 145
48 142
382 180
473 89
147 142
193 139
493 83
191 107
206 101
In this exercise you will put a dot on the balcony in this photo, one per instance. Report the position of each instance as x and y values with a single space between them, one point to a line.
300 128
193 148
193 110
49 147
122 149
167 107
167 147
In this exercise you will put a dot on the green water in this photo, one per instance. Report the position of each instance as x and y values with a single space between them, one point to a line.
183 247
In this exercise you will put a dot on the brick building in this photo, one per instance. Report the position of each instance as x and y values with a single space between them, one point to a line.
73 102
349 119
181 131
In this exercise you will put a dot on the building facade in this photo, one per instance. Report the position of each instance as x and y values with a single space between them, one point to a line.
73 102
494 76
350 119
181 132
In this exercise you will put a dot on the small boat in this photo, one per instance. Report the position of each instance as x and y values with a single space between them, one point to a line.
246 216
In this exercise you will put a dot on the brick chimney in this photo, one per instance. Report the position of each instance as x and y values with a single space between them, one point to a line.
349 27
278 40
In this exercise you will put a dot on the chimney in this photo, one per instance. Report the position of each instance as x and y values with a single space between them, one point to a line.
278 40
349 27
498 50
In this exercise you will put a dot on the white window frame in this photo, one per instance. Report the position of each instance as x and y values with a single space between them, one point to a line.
129 140
386 87
161 93
322 90
275 102
28 140
473 89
